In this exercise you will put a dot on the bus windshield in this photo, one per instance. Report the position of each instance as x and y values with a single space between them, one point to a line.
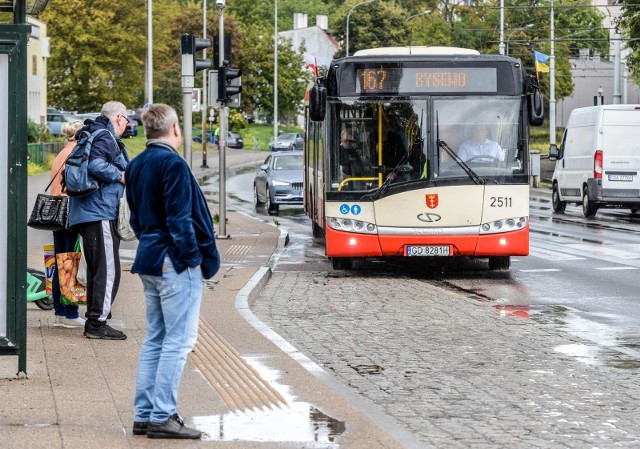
379 143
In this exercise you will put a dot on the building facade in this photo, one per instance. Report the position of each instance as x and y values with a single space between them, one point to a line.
593 81
38 51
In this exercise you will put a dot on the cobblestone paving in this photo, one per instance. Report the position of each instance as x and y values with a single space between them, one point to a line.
450 369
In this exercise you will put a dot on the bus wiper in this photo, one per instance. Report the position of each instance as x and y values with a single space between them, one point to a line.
473 175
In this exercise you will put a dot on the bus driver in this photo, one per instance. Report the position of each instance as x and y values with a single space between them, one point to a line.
479 145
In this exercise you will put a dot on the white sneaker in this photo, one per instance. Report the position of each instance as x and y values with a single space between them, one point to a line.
71 323
58 321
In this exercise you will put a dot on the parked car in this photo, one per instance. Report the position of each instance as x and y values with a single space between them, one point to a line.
131 130
210 138
55 120
234 139
287 142
135 115
279 181
88 115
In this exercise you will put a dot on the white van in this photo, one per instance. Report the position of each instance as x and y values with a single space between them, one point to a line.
598 163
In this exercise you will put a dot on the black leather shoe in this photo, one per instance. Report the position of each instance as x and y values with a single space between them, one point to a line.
140 427
172 428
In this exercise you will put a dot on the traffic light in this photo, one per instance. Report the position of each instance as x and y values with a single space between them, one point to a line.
189 45
227 84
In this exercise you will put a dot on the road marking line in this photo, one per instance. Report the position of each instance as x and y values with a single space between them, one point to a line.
541 270
616 268
553 255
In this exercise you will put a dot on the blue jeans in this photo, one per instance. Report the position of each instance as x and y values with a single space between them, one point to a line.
63 242
173 309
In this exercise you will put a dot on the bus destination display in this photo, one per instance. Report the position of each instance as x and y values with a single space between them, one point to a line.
426 80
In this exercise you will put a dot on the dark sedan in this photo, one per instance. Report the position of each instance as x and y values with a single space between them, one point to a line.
279 181
234 139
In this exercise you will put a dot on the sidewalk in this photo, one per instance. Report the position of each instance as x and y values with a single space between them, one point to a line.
238 386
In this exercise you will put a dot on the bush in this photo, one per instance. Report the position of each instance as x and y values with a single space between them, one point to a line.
33 132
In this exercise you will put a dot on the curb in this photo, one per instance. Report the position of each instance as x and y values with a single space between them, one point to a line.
246 296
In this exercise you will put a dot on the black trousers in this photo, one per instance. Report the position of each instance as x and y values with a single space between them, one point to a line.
101 245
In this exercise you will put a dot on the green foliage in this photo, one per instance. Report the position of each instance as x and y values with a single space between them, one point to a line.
97 52
630 25
236 120
33 132
98 48
378 24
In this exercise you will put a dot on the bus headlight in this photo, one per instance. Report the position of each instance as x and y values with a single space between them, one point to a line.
504 225
350 225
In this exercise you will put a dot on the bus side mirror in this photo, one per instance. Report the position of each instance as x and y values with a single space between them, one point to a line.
536 108
317 102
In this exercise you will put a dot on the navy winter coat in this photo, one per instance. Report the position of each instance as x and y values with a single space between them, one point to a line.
169 214
107 160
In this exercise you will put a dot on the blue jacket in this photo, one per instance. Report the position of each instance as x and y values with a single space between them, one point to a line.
107 161
169 214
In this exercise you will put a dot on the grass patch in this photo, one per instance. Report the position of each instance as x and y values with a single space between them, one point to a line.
539 138
256 136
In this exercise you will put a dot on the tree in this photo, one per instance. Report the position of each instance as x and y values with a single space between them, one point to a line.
630 26
257 56
378 24
97 53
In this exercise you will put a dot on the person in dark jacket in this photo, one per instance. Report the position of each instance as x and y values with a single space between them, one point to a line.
176 250
95 218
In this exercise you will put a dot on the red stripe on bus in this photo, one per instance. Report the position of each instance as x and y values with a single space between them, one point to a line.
351 244
346 244
514 243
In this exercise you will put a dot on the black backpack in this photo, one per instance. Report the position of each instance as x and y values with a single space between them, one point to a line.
76 180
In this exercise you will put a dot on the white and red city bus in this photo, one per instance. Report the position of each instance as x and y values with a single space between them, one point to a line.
416 190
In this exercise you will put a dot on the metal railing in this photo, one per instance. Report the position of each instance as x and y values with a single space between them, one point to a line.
38 151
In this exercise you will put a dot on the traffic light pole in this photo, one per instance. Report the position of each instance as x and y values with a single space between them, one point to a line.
204 89
222 135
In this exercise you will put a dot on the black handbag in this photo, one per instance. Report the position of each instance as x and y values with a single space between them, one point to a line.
50 213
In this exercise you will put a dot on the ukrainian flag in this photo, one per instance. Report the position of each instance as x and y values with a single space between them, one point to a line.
541 58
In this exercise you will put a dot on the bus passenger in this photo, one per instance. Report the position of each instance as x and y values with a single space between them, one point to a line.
392 147
479 145
350 160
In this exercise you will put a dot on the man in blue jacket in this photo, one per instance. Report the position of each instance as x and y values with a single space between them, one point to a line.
95 218
176 250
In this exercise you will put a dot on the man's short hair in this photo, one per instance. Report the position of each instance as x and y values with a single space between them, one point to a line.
112 109
158 120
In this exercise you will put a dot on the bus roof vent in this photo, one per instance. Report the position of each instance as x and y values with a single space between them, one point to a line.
416 50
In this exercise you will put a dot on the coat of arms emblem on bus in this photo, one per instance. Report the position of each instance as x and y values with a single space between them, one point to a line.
432 200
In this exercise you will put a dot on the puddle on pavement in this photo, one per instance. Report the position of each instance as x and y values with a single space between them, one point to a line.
299 422
609 348
599 356
294 422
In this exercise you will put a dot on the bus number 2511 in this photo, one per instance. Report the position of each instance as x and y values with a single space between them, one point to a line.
501 201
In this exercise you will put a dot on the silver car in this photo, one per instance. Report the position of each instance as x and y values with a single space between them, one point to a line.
287 142
279 181
55 120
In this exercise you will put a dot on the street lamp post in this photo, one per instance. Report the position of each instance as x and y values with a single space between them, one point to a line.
349 16
501 45
275 76
428 11
149 85
552 84
515 31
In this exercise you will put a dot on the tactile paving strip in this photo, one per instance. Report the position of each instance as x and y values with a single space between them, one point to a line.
239 385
